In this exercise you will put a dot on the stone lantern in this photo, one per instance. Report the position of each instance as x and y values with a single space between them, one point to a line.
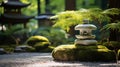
12 13
84 49
85 37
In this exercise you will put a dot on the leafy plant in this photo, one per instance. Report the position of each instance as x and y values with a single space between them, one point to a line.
55 35
116 24
112 26
11 35
115 46
68 18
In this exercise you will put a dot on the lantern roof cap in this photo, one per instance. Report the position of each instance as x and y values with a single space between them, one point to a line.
85 26
43 16
14 4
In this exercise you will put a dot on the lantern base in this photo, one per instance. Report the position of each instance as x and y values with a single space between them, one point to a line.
85 42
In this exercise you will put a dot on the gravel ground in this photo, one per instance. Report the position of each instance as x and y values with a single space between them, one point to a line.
44 60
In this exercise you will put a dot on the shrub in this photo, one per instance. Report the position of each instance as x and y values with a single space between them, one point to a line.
56 36
112 45
115 46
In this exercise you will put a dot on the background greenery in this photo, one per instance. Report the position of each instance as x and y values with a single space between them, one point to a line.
55 35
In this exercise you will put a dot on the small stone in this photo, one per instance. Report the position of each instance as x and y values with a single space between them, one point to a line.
22 48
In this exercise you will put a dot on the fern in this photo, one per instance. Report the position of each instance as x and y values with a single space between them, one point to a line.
69 18
112 11
112 26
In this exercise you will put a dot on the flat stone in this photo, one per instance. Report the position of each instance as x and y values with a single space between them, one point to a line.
22 48
85 42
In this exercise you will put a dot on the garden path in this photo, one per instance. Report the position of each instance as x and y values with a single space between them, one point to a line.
44 60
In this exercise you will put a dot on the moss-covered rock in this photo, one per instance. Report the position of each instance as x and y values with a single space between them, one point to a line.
83 53
36 39
48 49
64 52
41 45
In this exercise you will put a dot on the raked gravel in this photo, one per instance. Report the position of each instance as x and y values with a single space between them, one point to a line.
45 60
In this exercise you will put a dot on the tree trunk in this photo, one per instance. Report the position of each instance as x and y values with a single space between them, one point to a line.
114 34
71 5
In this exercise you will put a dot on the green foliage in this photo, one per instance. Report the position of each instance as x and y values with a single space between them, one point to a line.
9 36
1 1
68 18
1 9
115 46
112 45
98 15
16 29
55 35
25 1
31 9
9 48
87 4
116 24
112 11
36 39
56 6
112 26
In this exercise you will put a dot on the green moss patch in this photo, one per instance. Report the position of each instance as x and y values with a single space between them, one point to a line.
35 39
39 43
48 49
83 53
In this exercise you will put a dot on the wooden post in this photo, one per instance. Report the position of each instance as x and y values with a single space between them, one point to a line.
38 7
71 5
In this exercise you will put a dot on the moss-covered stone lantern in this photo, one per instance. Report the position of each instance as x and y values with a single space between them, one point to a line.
85 47
85 37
